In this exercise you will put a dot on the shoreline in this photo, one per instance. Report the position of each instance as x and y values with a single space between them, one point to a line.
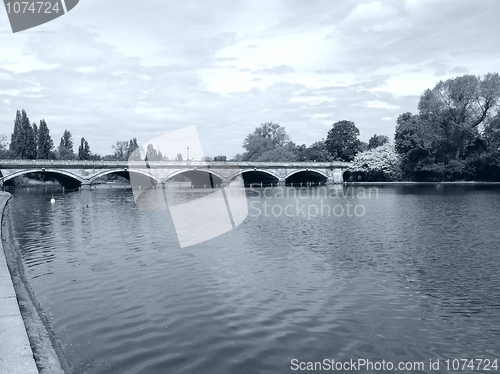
458 183
46 356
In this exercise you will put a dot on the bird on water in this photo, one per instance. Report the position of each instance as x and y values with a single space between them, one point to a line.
52 200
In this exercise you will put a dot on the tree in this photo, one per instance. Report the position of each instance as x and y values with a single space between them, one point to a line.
414 141
315 152
282 154
377 140
377 164
15 139
132 146
95 157
125 148
456 107
66 146
220 158
409 134
152 154
35 137
4 150
16 134
83 150
179 157
22 144
237 157
266 137
121 149
44 142
28 146
342 140
491 134
483 156
363 146
454 135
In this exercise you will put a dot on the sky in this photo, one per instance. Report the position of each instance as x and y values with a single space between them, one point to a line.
117 69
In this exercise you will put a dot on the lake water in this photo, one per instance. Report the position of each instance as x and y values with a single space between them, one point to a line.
415 277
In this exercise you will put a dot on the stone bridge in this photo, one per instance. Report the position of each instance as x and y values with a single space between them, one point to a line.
83 174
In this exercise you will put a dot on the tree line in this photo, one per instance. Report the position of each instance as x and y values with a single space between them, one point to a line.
456 133
270 142
454 136
30 141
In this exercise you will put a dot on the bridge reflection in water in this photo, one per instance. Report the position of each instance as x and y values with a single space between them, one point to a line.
84 174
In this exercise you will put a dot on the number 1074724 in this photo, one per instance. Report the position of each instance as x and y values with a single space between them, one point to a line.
32 7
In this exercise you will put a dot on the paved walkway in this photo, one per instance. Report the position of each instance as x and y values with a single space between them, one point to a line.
16 356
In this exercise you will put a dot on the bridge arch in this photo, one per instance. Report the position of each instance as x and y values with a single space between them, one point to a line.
124 173
347 176
306 176
255 175
199 177
255 170
66 178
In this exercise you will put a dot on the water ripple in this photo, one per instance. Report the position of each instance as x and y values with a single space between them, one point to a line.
416 278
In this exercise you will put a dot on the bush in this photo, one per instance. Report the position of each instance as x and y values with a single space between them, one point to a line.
485 167
429 172
455 170
381 164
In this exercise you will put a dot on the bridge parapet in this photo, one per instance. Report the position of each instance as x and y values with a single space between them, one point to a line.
87 164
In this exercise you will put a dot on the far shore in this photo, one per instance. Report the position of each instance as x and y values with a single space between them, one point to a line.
408 183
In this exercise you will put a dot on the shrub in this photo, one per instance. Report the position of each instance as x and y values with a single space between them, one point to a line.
378 164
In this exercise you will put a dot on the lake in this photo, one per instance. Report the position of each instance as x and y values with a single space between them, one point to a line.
412 275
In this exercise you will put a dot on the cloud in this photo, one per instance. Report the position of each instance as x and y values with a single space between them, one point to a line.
370 13
377 104
281 69
86 69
